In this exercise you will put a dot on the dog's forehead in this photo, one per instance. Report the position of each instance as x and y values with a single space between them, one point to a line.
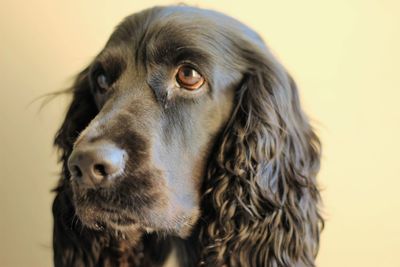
185 17
182 23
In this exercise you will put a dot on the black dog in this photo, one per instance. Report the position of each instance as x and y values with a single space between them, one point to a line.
186 134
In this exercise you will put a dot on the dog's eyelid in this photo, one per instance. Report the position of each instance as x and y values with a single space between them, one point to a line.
189 63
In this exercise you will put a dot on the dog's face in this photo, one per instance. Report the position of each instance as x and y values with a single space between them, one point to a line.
164 86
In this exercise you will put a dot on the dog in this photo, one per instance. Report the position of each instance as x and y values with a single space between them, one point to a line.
185 135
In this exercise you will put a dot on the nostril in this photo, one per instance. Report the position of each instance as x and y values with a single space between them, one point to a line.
76 171
100 170
96 164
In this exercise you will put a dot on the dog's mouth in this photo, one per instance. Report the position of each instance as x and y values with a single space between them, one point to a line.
114 210
97 214
94 214
100 216
115 223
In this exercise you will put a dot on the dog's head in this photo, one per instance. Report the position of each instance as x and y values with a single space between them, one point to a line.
159 94
179 94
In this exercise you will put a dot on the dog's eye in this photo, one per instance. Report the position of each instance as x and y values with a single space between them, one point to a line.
102 82
189 78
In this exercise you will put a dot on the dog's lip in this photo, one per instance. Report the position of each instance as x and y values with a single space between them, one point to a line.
122 222
98 217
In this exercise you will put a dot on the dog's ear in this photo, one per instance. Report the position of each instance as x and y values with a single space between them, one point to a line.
80 112
261 194
73 246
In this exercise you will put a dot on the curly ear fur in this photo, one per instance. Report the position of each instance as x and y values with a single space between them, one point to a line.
261 199
261 195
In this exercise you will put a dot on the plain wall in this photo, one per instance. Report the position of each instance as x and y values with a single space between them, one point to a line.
344 55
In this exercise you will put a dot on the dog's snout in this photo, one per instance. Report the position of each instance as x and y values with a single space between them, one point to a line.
96 163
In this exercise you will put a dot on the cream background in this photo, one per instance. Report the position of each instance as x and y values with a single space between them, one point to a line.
344 55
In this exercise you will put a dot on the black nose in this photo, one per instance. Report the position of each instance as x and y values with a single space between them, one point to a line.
96 163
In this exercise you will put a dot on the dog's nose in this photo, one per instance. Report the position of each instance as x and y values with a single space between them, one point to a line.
94 164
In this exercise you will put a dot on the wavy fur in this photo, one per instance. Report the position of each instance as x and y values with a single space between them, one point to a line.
261 186
260 195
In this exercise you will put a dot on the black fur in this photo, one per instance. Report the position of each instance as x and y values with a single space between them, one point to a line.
224 176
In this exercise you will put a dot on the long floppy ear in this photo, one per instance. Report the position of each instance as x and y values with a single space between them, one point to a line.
261 194
80 112
71 248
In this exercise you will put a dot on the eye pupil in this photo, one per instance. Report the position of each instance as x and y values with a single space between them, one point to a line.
187 72
189 78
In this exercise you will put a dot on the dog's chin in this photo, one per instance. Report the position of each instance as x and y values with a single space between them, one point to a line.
114 223
126 226
95 213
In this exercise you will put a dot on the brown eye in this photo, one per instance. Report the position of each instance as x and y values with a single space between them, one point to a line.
189 78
